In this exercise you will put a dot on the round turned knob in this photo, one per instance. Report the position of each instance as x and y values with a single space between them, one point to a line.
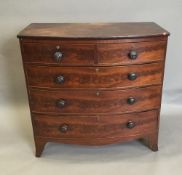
130 124
131 100
132 76
133 55
60 79
61 103
64 128
58 56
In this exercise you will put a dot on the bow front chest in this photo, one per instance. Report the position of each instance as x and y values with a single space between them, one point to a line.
94 84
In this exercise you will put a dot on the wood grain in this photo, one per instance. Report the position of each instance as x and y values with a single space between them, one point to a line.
88 101
93 54
95 126
72 54
90 77
118 53
93 30
96 89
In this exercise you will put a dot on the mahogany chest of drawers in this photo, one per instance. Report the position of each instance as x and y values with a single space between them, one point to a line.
94 84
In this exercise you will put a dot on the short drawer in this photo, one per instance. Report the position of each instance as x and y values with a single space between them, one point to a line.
94 77
127 125
58 53
131 53
95 101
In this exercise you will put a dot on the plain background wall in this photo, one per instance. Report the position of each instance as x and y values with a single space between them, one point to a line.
15 15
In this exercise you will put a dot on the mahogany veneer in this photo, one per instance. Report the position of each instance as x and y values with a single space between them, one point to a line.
94 84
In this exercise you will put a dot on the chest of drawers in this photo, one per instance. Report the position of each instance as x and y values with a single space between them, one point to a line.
94 84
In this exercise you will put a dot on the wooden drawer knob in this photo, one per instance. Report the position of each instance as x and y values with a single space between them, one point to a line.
60 79
132 76
131 100
64 128
60 103
133 55
130 124
58 56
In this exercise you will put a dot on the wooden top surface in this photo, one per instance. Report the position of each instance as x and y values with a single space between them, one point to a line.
93 30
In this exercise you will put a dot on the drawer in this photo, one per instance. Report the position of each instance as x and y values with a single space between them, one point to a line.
98 77
131 53
127 125
57 53
95 101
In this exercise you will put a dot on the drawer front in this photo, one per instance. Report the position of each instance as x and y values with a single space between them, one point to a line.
90 77
63 54
96 126
59 53
131 53
95 101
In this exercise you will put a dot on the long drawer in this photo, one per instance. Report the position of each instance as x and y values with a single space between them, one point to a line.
95 101
71 126
90 77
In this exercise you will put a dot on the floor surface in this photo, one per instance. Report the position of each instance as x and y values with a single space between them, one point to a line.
132 158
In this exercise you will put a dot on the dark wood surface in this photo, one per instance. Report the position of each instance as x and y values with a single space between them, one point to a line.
88 101
96 130
118 53
78 54
93 30
91 54
97 126
94 77
95 64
